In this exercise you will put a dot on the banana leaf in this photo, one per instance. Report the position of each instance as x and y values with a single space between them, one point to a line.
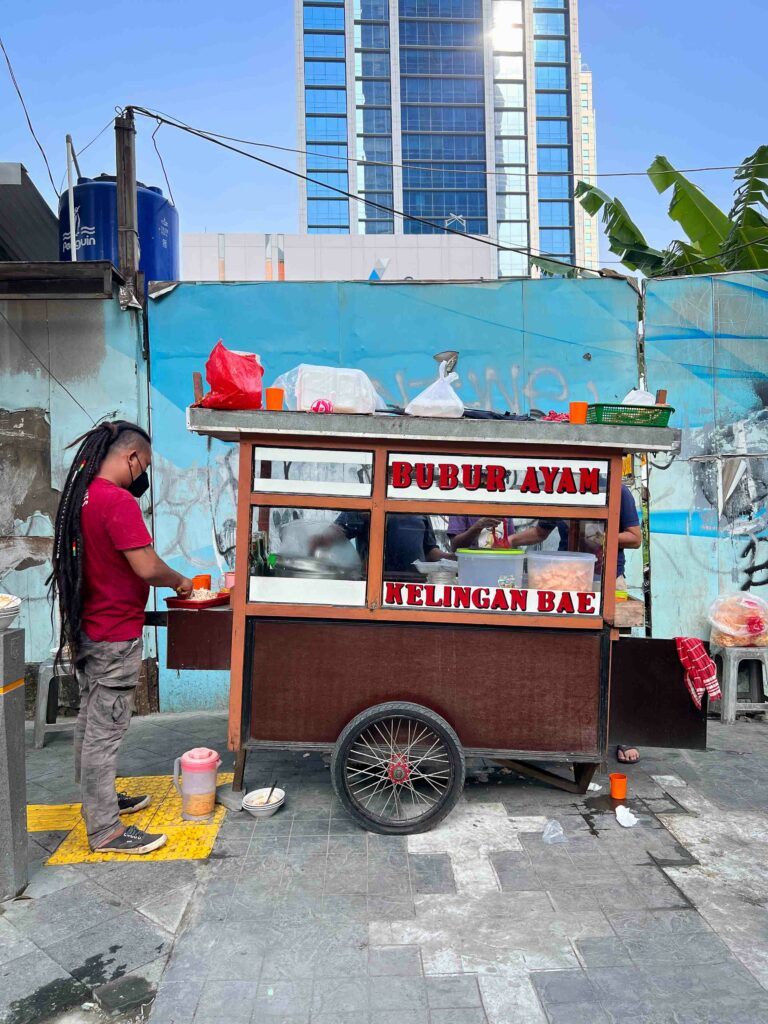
706 226
624 236
746 246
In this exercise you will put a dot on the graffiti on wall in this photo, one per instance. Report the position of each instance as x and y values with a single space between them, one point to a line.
707 343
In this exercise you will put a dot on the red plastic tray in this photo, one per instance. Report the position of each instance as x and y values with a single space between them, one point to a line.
196 606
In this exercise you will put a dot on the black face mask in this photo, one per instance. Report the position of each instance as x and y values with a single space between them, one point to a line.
139 485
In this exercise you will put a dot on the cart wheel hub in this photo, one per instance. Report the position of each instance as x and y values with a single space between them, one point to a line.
399 770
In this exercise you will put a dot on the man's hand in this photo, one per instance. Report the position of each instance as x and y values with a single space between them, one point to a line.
184 588
486 523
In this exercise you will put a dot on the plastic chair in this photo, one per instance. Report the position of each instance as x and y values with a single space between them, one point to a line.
46 700
730 659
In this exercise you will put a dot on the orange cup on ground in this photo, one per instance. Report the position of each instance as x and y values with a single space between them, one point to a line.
274 399
618 786
202 582
577 412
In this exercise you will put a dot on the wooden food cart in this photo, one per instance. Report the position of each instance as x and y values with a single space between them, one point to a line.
339 643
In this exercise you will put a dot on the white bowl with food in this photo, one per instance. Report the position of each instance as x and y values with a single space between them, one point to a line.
255 802
9 609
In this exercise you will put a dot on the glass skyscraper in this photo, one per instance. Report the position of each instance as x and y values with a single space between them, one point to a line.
462 114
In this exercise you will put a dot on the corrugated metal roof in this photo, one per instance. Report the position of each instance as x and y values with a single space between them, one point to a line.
29 230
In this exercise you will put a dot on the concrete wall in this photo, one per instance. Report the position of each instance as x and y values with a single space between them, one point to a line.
94 349
707 342
256 257
523 344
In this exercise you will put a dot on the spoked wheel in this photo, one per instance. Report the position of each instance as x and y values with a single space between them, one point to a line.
398 768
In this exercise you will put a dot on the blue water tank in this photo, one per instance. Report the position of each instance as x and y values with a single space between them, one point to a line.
96 227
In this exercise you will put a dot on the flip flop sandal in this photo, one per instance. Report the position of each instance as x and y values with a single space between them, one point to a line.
624 750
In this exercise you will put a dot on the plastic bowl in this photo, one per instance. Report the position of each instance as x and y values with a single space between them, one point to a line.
9 612
257 810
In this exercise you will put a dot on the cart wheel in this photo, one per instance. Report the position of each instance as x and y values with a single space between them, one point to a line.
398 768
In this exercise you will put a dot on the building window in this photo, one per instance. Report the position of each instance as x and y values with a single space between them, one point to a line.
584 88
507 12
326 129
372 10
549 3
328 212
509 122
324 72
511 207
513 264
553 159
549 50
552 132
510 151
508 67
325 101
508 94
372 65
554 214
372 93
316 45
585 104
515 233
552 104
374 121
326 158
550 78
331 18
337 180
554 186
555 240
585 120
549 24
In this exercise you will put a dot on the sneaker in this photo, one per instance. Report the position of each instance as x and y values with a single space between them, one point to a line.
133 840
131 804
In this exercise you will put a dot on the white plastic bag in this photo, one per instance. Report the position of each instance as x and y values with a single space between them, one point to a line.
625 817
553 833
439 399
637 397
348 390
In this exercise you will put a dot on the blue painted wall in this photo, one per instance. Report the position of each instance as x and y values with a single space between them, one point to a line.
523 344
94 349
707 342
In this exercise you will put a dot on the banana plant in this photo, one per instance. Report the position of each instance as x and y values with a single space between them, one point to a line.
716 242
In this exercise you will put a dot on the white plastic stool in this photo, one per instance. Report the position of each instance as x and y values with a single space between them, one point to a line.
731 658
46 676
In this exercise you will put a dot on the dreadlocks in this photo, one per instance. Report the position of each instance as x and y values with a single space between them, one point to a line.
65 581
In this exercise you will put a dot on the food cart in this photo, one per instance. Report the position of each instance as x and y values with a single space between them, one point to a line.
340 643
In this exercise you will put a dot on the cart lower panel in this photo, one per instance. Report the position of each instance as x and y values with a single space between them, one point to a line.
501 689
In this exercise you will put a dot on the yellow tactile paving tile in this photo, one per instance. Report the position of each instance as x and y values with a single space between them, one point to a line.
52 817
187 840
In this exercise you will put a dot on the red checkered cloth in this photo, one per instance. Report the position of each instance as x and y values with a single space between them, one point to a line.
700 671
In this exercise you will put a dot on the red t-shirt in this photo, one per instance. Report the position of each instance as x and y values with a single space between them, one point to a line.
114 597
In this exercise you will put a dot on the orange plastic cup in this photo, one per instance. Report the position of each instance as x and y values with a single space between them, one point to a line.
274 399
577 412
618 786
202 582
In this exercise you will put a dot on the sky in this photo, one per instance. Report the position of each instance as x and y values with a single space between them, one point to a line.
684 78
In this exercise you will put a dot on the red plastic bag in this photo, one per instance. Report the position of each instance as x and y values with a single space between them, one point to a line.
234 378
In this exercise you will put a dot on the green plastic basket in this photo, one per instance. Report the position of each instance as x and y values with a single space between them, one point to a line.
630 415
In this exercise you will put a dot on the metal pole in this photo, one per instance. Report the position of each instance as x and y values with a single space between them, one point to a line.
127 212
71 197
13 781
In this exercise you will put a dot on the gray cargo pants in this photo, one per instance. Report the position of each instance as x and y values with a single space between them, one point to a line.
107 674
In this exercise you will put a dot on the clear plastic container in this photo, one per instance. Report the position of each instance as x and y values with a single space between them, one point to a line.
348 390
561 570
485 568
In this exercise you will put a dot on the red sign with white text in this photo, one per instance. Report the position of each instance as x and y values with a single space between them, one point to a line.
518 480
447 597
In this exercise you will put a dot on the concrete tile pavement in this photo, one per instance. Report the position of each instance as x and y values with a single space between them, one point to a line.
305 918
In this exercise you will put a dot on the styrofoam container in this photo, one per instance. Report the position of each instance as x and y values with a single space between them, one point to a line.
9 612
561 570
485 567
263 810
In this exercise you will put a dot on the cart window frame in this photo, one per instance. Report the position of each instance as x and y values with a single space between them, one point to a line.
379 504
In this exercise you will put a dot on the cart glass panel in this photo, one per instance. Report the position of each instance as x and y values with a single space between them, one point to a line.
312 471
308 556
485 564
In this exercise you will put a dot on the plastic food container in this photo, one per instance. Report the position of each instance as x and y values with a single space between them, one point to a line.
263 810
485 568
348 390
561 570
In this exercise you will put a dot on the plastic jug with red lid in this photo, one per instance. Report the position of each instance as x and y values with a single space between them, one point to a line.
194 776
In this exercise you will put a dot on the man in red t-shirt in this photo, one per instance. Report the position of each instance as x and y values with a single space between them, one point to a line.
104 566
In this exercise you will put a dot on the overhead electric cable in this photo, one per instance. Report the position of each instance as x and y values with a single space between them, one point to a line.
26 114
529 252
